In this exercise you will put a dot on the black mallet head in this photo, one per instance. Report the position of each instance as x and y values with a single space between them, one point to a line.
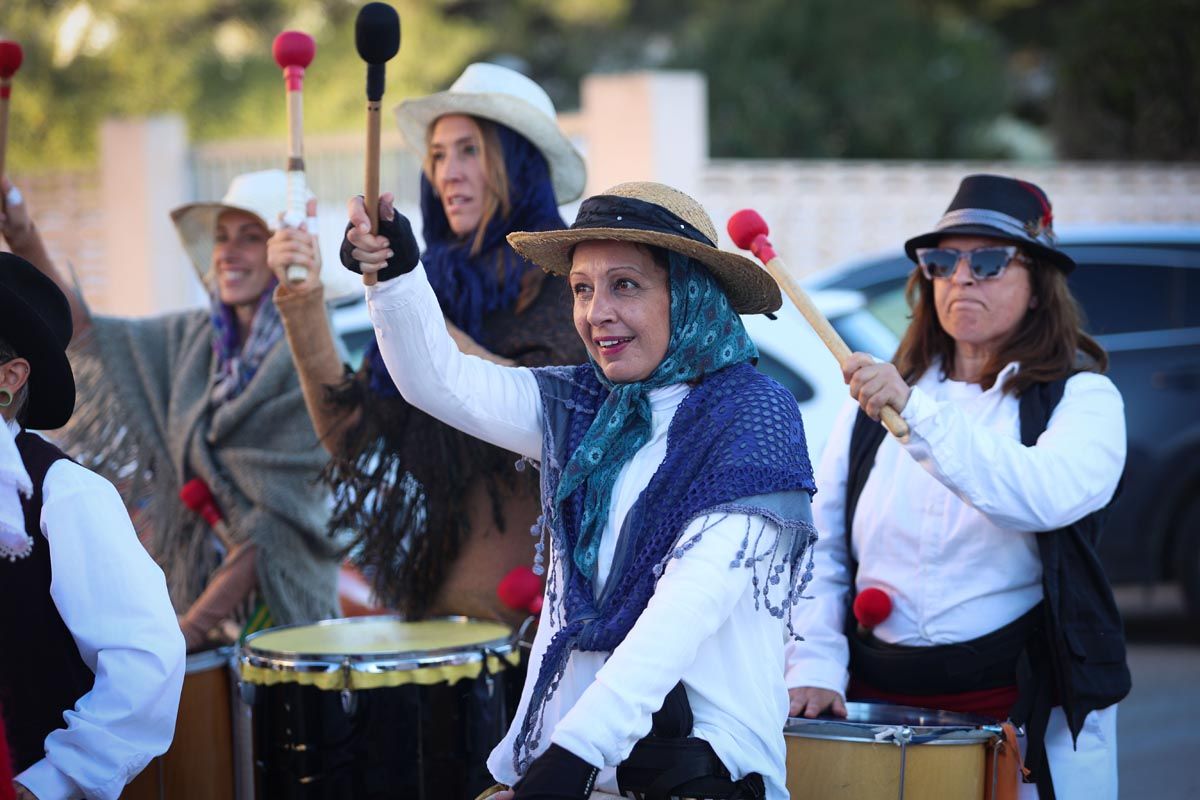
377 39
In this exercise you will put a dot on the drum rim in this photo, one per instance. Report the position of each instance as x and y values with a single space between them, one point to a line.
204 660
386 661
964 729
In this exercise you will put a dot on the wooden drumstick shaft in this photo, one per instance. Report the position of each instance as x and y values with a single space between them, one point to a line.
371 190
297 185
779 271
5 88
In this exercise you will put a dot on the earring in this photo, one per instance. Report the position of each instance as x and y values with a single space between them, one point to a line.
6 398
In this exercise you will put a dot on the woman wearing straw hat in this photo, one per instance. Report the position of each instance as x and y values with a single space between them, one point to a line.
981 527
93 658
675 492
210 395
494 161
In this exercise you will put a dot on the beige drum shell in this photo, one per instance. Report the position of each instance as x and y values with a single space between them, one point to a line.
841 759
200 762
847 769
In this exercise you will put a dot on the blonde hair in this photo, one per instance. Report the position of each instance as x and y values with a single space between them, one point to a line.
495 174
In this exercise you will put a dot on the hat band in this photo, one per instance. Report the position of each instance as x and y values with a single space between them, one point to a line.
611 211
1008 225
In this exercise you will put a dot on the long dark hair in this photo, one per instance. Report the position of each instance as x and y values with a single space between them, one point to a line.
1048 343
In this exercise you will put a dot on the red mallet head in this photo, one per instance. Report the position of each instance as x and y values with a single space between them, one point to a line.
293 51
196 495
872 607
748 230
521 590
10 58
10 61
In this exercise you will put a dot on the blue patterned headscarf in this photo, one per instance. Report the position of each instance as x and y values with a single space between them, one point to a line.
706 336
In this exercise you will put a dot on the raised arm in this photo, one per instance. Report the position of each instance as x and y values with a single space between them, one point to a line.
19 230
495 403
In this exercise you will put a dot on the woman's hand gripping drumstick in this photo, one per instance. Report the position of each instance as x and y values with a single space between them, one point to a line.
294 51
749 232
377 38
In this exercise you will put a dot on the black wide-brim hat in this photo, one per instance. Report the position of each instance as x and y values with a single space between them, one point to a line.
1001 208
35 321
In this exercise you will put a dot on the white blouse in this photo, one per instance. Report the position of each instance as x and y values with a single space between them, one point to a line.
113 599
700 625
947 523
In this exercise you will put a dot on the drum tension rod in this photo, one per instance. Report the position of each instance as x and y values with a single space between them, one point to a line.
347 695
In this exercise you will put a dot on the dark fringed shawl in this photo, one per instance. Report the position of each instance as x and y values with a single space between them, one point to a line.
401 485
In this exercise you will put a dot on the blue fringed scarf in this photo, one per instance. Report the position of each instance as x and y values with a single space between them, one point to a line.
470 287
238 361
736 438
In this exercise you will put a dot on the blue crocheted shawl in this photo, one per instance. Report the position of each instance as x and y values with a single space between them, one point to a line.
735 445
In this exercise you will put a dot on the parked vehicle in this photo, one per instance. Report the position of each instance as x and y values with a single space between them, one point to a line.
1139 287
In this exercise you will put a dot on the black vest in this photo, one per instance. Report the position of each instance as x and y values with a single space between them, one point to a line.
41 672
1081 623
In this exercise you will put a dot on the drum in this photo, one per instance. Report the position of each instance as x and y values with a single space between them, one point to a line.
884 751
200 762
375 707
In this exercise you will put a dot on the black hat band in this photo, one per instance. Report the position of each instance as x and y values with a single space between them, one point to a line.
611 211
1032 231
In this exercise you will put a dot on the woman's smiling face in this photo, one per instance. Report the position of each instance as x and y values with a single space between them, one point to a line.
622 307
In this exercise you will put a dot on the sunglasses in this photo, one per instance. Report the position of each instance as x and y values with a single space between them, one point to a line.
986 263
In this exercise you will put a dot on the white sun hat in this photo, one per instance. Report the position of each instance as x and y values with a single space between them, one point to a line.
502 95
262 194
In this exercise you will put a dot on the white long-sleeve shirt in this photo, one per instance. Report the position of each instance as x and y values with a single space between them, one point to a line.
947 523
700 625
113 599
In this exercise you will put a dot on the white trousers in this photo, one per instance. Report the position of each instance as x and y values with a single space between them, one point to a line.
1087 771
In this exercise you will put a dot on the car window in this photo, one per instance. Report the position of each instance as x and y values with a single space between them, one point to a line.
357 342
773 368
890 308
1126 298
863 332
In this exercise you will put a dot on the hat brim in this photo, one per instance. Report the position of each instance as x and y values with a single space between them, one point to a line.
751 290
196 224
567 172
51 382
1056 257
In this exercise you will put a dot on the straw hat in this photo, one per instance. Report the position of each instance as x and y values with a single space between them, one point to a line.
261 194
502 95
657 215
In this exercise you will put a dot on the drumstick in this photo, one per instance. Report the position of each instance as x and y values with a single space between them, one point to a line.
293 52
377 38
749 232
10 61
196 495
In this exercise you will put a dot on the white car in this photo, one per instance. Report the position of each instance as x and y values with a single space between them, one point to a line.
789 351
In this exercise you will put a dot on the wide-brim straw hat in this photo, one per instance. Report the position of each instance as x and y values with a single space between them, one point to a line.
37 324
999 207
501 95
656 215
261 194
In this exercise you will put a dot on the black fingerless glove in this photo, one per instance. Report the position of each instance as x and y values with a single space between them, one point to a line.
403 244
557 774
